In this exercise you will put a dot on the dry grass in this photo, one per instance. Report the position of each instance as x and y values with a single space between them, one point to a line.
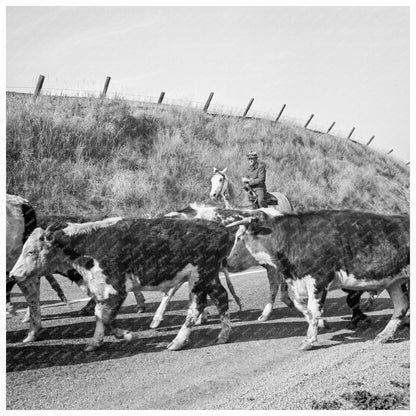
90 156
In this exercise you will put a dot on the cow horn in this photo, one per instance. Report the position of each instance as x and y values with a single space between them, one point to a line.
245 221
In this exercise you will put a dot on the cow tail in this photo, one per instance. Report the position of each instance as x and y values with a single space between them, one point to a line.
231 287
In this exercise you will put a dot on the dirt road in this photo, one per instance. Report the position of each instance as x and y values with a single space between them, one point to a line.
261 367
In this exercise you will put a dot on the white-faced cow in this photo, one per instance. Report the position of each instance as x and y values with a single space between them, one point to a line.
62 221
227 216
152 254
20 222
324 250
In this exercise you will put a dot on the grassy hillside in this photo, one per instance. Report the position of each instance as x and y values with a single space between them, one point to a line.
93 157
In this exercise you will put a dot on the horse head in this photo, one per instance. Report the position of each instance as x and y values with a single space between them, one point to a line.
219 184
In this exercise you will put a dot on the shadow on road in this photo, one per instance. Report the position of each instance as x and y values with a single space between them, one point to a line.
246 328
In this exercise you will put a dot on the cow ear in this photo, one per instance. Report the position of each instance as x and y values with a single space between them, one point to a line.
253 225
224 170
49 236
216 170
53 236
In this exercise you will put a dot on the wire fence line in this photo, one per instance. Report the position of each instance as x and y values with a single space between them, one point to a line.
215 109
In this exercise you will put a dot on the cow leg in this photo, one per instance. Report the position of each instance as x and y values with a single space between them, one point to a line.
158 317
88 309
353 301
56 287
196 306
9 286
400 299
316 299
105 312
30 289
99 332
274 283
300 304
220 298
26 318
202 319
139 300
284 295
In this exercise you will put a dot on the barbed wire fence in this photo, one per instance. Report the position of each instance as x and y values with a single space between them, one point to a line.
215 109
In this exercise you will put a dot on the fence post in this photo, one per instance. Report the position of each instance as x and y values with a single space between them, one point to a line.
38 87
370 140
106 84
351 132
248 108
330 127
307 123
161 96
211 94
280 113
389 151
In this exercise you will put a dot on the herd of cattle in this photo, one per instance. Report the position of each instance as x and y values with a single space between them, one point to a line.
304 254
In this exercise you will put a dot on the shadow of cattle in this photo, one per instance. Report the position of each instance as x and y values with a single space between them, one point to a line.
45 354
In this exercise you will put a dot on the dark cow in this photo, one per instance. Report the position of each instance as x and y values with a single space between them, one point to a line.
277 284
324 250
20 222
115 255
63 220
227 216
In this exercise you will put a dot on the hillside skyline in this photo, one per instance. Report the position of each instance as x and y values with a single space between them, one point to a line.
344 64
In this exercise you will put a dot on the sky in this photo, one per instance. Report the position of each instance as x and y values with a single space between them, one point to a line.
344 64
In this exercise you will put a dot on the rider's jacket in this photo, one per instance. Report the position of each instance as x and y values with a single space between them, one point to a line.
257 175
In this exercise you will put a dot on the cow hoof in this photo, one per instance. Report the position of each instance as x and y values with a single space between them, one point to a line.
176 345
128 336
201 320
263 317
382 339
306 345
222 340
367 320
31 337
155 323
92 347
352 326
322 323
238 301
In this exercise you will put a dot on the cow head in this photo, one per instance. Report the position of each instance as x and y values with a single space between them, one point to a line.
41 254
249 237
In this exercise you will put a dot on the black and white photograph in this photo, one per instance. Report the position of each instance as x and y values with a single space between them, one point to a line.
207 205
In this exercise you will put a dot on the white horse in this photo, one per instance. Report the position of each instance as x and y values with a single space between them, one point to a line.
223 188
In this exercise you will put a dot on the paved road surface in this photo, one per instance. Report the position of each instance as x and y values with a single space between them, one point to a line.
261 367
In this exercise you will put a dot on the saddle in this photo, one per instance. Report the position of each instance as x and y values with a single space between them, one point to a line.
271 200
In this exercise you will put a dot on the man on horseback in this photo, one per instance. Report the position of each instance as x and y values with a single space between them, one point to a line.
256 181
